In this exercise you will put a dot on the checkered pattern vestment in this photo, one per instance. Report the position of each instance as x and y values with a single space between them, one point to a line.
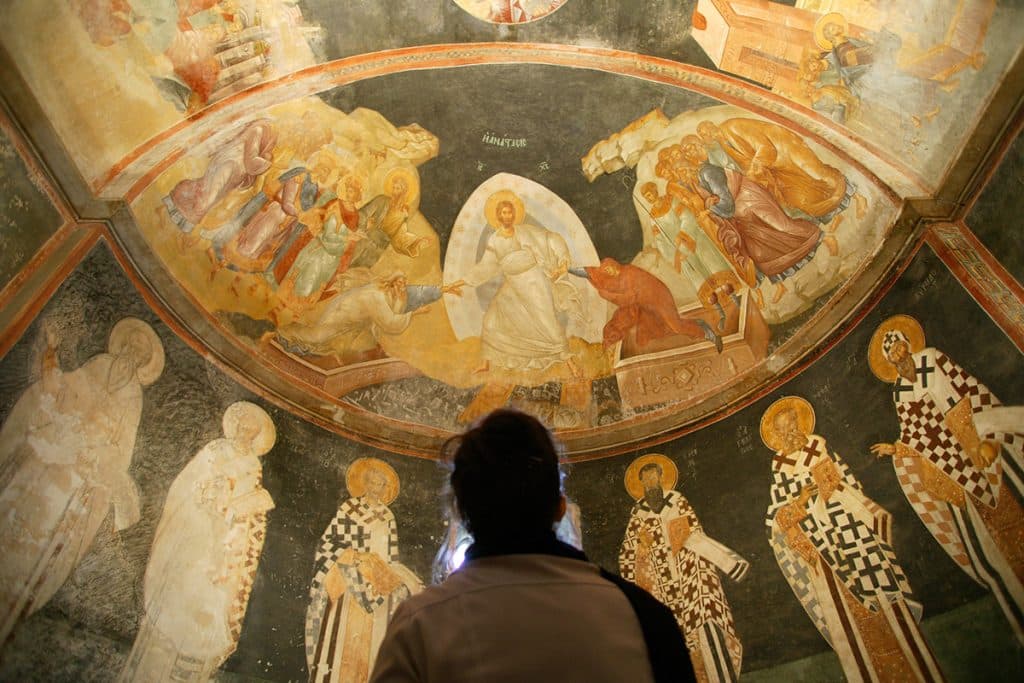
858 556
256 533
923 424
354 526
848 533
691 588
924 432
934 513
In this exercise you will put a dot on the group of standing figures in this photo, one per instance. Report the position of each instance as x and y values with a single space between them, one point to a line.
959 461
68 442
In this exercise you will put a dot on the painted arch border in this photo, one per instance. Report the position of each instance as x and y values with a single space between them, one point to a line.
130 176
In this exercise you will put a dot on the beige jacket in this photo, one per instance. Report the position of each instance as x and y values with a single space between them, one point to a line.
516 618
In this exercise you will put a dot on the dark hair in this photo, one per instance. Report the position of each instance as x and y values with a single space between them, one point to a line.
650 466
505 476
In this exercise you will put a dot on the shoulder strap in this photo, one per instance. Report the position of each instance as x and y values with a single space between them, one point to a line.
666 647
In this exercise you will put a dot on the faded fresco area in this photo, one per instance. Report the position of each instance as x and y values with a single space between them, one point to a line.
153 476
142 66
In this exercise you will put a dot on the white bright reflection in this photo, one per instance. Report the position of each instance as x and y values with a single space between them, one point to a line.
459 556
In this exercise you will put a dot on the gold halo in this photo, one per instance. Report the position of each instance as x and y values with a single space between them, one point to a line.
354 478
124 328
491 208
819 28
412 182
881 366
669 474
804 418
236 412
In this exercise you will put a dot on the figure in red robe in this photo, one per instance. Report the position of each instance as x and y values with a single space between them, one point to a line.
644 304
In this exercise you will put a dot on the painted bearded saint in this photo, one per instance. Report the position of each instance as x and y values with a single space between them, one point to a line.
666 552
833 545
358 579
958 459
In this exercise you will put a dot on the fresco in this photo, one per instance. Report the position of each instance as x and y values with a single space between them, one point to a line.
324 536
899 74
510 11
215 514
207 545
833 545
958 459
359 580
66 449
667 552
744 222
846 562
300 231
149 63
145 70
414 212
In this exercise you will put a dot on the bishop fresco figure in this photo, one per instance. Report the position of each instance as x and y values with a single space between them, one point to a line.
958 458
65 450
358 580
666 552
834 546
205 554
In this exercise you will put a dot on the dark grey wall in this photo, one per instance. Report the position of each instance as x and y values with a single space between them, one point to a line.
27 216
997 216
657 27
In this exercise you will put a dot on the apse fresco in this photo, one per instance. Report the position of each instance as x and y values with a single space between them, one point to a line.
300 233
261 258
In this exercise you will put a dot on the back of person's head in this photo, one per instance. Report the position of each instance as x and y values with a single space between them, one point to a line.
505 477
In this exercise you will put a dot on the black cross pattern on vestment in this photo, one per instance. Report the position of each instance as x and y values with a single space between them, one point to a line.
377 516
899 388
923 370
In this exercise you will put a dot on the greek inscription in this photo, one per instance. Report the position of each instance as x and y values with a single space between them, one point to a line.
490 138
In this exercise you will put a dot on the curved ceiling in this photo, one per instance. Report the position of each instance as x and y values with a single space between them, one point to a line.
315 189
